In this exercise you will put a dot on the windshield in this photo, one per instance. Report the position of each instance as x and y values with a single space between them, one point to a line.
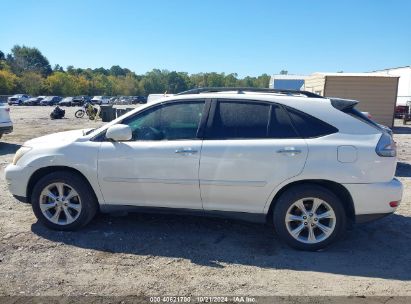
68 99
48 98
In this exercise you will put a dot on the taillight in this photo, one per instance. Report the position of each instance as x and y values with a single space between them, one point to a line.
386 146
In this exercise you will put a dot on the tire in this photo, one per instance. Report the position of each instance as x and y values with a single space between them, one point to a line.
79 113
330 216
81 208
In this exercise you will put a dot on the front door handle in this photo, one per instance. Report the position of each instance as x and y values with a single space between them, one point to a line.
291 151
186 151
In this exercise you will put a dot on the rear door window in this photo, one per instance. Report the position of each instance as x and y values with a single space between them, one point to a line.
234 119
239 119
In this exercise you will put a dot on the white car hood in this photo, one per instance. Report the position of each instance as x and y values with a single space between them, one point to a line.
67 136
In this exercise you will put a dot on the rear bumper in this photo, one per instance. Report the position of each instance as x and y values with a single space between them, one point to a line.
365 218
373 200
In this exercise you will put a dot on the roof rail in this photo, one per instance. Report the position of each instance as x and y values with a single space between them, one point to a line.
241 90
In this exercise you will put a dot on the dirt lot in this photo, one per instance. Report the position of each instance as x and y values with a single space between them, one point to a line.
180 255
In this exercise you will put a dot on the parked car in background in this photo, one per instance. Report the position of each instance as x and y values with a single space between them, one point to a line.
400 111
138 99
309 165
33 101
113 100
66 101
50 101
123 100
80 100
17 99
6 126
99 100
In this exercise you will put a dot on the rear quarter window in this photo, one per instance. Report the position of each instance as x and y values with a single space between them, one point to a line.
308 126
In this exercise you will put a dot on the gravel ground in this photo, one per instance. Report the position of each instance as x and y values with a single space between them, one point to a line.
181 255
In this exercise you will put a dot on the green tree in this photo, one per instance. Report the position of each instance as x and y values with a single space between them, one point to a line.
58 68
8 82
32 83
24 59
231 80
262 81
176 82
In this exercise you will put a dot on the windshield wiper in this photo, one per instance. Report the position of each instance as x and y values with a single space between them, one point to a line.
88 132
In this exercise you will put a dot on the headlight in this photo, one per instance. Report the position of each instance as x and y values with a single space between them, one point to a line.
19 154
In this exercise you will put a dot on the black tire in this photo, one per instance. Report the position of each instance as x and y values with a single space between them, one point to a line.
296 193
89 205
79 113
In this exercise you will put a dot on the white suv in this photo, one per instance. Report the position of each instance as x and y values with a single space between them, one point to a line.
6 126
309 165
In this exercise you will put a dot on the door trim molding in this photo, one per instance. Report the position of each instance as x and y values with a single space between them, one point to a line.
233 183
151 180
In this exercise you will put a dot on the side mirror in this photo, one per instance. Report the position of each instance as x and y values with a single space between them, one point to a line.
119 132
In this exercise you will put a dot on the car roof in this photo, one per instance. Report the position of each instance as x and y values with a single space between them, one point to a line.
251 96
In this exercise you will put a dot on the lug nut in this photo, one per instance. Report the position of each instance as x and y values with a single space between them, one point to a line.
316 219
304 217
305 223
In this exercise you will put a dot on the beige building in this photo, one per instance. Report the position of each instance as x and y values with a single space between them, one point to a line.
377 93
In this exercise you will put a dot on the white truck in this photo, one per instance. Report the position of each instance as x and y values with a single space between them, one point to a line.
99 100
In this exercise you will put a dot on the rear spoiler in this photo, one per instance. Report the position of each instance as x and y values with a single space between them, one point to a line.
343 104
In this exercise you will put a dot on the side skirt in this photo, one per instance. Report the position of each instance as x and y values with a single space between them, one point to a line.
243 216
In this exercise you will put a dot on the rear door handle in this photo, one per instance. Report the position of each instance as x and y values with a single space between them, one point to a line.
291 151
186 151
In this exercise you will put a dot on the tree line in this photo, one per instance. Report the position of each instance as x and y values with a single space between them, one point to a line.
27 70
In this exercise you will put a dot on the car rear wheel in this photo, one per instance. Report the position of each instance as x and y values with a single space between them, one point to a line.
309 217
63 201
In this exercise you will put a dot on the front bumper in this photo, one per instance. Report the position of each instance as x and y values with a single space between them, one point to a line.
17 179
373 200
6 129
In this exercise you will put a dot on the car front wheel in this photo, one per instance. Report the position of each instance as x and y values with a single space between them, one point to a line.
63 201
309 217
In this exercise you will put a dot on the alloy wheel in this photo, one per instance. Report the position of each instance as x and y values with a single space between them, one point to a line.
60 203
310 220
